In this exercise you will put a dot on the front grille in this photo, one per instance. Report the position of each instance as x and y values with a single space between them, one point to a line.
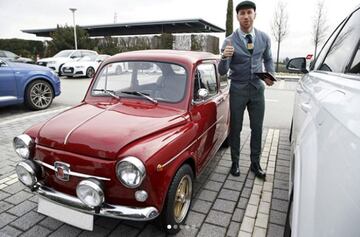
67 69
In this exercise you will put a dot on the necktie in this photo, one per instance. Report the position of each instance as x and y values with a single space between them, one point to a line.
250 45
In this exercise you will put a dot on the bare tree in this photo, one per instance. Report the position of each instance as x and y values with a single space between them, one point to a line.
319 26
279 27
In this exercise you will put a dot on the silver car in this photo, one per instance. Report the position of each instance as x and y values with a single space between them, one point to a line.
325 173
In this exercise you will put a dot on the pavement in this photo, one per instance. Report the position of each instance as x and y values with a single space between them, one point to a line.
223 205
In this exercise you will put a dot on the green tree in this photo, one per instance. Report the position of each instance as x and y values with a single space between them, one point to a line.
229 18
108 45
25 48
166 41
63 38
195 43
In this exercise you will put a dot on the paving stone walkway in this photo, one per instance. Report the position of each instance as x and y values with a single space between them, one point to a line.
223 205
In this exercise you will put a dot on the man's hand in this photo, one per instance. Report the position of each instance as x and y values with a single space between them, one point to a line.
229 50
269 82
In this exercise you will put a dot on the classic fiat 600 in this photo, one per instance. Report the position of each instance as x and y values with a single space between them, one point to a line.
148 125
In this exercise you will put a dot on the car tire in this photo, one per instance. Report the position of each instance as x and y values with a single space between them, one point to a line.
90 71
39 95
59 72
178 200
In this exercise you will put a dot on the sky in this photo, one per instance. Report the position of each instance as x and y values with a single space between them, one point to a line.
17 15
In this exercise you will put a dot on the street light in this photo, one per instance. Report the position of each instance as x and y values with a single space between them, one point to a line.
73 11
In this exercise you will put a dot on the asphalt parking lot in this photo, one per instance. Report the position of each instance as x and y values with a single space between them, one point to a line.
223 205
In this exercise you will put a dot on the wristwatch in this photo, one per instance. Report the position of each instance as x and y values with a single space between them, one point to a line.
222 56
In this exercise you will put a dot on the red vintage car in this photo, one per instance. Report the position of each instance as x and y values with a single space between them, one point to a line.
148 125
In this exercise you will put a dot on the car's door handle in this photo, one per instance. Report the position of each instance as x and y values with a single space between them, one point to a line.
299 90
219 101
305 107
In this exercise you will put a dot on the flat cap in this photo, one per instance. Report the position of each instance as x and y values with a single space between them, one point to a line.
245 5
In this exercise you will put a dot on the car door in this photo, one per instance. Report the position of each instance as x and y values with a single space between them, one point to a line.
8 90
223 107
206 111
326 190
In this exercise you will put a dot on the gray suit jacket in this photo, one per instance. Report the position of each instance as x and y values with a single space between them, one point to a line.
242 64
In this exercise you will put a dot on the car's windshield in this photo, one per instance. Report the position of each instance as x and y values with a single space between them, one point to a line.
159 80
63 53
10 54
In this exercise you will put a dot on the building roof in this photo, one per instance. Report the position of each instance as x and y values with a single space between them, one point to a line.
142 28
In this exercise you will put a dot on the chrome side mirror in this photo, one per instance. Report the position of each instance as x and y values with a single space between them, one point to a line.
203 93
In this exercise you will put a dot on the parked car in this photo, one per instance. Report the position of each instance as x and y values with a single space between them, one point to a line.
133 147
325 144
64 56
33 85
10 56
85 66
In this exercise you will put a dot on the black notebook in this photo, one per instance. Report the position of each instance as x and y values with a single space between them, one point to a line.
263 75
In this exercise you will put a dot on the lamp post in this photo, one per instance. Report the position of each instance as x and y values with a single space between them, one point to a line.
73 11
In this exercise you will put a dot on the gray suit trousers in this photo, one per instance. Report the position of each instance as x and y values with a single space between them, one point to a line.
251 98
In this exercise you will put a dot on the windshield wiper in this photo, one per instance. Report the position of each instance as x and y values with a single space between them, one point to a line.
138 93
109 92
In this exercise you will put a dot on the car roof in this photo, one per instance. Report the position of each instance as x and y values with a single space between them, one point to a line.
166 55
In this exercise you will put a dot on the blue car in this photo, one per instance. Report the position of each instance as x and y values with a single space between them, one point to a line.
36 86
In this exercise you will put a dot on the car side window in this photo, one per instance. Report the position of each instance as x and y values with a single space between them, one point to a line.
87 53
76 54
223 81
341 51
205 77
355 66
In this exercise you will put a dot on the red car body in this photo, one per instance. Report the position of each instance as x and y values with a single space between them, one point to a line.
93 136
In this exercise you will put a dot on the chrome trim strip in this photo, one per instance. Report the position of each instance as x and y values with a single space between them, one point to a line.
108 210
7 98
172 159
86 120
77 126
72 173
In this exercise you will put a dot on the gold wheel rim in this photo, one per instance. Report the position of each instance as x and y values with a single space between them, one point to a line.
182 198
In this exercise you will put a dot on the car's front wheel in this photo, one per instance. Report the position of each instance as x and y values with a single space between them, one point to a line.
60 68
178 200
39 95
90 72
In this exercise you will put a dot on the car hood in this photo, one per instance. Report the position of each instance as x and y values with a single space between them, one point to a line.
45 59
78 63
26 66
102 130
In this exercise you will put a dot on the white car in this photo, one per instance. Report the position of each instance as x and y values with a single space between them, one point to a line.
85 66
325 144
63 57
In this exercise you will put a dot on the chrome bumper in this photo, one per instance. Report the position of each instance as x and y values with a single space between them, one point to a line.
108 210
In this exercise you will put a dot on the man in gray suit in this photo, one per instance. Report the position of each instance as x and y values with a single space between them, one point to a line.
244 52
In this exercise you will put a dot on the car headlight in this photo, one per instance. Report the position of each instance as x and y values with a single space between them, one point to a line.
23 145
130 172
90 192
28 172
